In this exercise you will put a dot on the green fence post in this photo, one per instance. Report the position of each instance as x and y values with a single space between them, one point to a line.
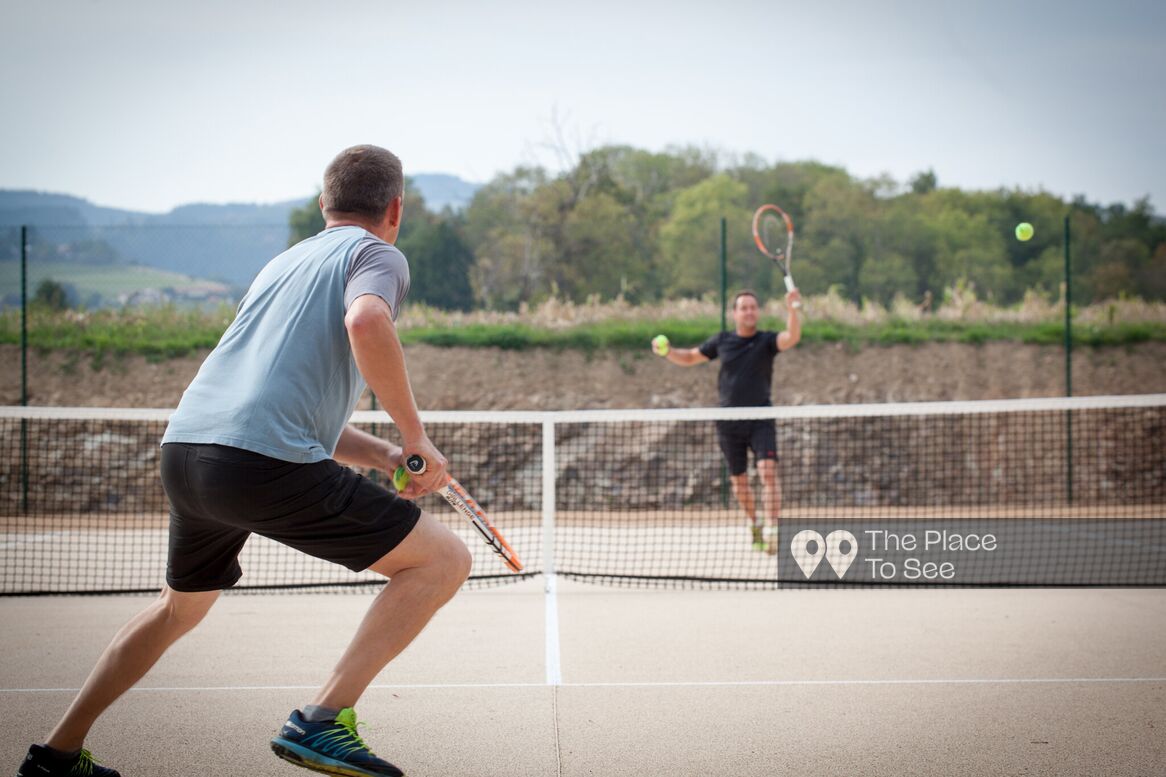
24 366
724 326
1068 365
724 272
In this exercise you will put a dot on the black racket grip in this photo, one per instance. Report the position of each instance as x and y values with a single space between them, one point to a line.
415 464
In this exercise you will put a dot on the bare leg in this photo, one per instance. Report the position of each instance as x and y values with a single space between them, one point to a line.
134 649
425 571
744 495
770 489
770 495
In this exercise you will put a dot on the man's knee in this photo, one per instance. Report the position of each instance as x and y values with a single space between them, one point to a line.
767 470
457 562
432 549
184 610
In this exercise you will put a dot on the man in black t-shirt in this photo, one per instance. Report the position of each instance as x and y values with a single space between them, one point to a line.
747 355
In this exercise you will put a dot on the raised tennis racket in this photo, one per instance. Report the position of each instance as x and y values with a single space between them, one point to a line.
773 232
461 501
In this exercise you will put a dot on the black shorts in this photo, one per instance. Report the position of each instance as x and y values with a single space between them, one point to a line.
737 437
220 495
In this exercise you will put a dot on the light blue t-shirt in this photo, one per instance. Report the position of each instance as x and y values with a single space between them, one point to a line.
282 381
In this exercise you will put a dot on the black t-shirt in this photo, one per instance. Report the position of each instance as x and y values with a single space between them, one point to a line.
746 367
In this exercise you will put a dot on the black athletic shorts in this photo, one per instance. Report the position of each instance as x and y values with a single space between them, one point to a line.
220 495
737 437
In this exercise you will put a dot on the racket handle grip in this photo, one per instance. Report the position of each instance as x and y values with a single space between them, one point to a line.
415 464
789 286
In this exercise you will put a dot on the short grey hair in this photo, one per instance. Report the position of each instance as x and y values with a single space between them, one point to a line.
362 180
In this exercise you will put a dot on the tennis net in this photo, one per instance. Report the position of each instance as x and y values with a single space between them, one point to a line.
1017 492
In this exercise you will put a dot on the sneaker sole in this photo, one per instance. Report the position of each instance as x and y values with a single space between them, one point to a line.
310 759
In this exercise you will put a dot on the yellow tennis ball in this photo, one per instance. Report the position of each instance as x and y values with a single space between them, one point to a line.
661 344
400 478
1024 231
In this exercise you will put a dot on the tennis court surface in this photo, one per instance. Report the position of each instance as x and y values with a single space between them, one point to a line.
956 588
639 682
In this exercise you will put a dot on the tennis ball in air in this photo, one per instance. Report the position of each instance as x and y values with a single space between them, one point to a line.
1023 231
660 342
400 478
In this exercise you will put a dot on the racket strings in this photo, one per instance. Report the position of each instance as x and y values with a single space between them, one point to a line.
774 235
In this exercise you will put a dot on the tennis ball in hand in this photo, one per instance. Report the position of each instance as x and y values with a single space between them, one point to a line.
1024 231
400 478
660 344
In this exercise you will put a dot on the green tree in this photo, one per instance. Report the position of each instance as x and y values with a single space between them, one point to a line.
1150 279
601 251
305 222
52 295
889 275
924 182
690 237
839 218
1114 272
511 242
440 263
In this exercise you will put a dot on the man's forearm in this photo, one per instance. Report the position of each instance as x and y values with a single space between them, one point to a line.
361 449
685 357
793 324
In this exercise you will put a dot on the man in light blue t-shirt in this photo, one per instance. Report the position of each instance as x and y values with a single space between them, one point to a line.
255 446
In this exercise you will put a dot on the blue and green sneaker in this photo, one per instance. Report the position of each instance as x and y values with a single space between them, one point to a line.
758 536
43 762
330 746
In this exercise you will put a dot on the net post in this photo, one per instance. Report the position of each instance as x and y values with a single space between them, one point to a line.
1068 366
548 503
24 366
552 657
1068 316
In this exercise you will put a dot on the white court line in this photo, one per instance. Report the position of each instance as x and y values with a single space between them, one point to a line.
552 653
661 684
553 661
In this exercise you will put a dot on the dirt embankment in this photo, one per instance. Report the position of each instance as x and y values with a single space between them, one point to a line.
493 379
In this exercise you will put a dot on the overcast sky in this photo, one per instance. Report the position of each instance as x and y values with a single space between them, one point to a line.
147 105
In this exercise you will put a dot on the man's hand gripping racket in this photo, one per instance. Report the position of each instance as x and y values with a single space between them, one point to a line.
773 232
460 500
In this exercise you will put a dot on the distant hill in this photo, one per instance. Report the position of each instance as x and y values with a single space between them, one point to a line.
225 243
443 191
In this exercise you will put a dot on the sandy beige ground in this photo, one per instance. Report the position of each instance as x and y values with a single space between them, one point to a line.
710 683
562 380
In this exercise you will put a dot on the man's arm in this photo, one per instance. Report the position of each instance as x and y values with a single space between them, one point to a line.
793 327
361 449
381 361
685 357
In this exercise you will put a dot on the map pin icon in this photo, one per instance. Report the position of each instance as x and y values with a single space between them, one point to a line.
806 560
838 560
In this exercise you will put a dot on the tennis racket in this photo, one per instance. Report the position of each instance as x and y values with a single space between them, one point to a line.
461 501
773 232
